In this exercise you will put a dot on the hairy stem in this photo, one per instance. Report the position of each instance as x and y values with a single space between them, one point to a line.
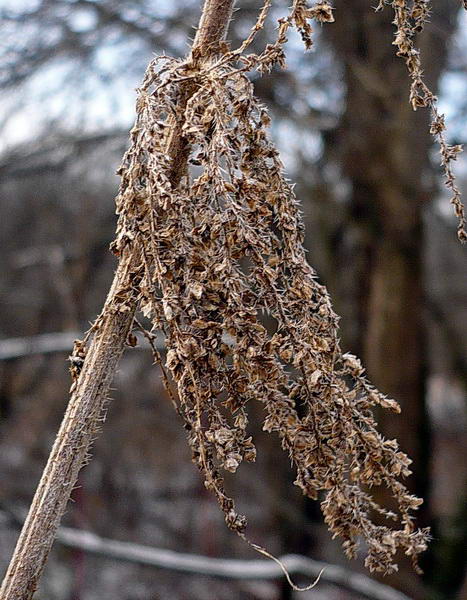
85 409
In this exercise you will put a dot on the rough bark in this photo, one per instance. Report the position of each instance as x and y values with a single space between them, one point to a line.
87 403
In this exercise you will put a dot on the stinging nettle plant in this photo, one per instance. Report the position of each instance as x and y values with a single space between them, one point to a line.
209 241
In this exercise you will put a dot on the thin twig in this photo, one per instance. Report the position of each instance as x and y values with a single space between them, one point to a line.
221 567
228 568
50 343
46 343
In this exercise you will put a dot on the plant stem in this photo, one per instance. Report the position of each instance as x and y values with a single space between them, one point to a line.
87 403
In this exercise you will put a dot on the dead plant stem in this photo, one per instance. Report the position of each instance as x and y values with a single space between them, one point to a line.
87 403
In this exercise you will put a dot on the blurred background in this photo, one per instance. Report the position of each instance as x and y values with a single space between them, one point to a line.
379 232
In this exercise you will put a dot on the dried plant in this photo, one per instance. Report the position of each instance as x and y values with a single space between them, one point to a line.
210 245
409 19
225 277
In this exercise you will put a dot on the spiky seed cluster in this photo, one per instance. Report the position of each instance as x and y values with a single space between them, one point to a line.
223 275
410 17
221 251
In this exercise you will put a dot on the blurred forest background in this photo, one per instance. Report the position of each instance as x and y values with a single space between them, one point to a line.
379 232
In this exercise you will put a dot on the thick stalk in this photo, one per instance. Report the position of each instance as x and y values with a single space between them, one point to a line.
87 402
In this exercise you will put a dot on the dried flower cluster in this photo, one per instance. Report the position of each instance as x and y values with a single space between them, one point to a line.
410 17
223 275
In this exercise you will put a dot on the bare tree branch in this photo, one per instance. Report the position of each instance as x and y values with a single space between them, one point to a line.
221 567
52 154
46 343
49 343
228 568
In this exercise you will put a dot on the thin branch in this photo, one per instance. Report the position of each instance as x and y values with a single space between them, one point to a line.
50 343
228 568
52 154
46 343
224 568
